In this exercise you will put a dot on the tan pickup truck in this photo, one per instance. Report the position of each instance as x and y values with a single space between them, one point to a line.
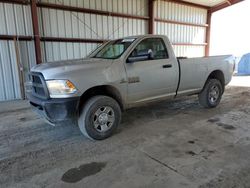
121 74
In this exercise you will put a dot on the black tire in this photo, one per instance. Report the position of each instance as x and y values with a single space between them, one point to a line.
87 117
205 96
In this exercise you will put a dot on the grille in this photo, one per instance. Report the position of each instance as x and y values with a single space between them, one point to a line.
39 88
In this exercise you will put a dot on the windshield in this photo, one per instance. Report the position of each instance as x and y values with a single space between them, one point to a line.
114 49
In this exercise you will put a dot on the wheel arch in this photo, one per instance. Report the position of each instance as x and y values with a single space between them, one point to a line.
219 75
106 90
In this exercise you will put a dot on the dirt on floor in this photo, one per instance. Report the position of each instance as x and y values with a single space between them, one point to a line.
167 144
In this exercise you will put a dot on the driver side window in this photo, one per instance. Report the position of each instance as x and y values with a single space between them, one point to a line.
156 45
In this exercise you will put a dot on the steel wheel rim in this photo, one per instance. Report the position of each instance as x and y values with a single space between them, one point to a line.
103 119
214 94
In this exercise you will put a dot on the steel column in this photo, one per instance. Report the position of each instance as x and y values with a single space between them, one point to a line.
36 31
208 29
151 16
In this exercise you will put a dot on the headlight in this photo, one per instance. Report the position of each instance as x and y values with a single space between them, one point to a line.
60 88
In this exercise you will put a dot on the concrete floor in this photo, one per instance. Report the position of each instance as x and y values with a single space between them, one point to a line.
169 144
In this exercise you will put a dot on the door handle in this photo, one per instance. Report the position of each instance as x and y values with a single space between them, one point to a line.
167 66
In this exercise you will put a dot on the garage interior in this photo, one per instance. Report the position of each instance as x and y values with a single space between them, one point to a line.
173 144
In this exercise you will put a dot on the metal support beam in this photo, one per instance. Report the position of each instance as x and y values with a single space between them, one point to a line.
208 33
224 5
17 37
188 44
85 40
21 2
36 31
180 23
151 24
77 40
89 11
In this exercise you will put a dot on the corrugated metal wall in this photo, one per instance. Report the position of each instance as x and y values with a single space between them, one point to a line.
58 23
14 20
182 33
54 51
9 79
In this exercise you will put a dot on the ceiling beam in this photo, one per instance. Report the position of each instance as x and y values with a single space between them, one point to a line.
224 5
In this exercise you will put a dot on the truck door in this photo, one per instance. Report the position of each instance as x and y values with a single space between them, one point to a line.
152 77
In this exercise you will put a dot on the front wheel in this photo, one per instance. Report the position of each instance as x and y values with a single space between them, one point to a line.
211 94
99 117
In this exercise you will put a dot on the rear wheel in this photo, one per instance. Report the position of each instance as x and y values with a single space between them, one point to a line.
99 117
211 94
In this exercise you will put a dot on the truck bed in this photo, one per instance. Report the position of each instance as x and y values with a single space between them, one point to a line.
192 71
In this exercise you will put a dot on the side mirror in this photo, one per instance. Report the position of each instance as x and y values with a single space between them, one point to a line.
141 56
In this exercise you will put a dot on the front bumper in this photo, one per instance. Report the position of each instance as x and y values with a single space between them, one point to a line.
55 110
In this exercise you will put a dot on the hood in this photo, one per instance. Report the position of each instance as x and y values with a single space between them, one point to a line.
57 69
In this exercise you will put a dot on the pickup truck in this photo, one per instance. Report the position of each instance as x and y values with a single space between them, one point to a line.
121 74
